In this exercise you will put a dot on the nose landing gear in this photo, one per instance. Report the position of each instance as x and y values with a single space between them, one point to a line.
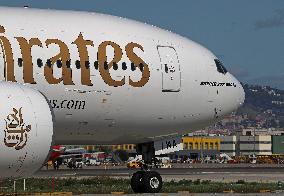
146 181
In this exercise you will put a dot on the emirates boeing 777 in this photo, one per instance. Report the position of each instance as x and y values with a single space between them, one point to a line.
85 78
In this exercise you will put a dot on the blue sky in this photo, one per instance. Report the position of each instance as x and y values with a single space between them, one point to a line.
248 36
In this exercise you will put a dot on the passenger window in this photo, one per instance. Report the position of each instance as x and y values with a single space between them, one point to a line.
105 66
87 64
39 63
166 68
48 62
133 67
78 65
68 63
124 67
20 62
96 65
220 67
59 63
141 66
115 66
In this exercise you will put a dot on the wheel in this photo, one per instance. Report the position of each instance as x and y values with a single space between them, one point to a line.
152 182
136 182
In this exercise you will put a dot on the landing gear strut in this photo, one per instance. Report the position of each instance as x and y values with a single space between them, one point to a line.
146 181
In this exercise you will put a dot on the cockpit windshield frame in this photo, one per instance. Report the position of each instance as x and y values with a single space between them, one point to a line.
220 67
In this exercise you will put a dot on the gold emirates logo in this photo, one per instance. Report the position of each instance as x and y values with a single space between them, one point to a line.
64 56
16 132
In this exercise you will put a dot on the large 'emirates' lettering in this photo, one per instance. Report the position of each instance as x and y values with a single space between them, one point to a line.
64 57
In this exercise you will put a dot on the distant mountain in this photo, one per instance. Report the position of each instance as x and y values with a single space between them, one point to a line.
264 99
263 108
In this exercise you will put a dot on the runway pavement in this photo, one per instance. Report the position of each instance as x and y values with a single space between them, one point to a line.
249 173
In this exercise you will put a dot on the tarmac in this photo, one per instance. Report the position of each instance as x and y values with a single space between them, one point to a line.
213 172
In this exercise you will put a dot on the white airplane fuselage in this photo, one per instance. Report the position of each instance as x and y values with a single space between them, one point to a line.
174 89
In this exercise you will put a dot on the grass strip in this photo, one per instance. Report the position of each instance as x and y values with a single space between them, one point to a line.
106 185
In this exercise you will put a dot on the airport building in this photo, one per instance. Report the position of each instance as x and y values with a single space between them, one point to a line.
198 147
90 148
228 145
256 131
258 144
278 144
198 143
126 147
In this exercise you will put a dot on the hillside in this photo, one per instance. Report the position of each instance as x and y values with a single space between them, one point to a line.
263 108
261 99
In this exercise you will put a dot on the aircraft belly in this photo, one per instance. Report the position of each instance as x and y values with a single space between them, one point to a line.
120 116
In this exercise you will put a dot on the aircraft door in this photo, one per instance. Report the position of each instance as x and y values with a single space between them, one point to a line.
171 75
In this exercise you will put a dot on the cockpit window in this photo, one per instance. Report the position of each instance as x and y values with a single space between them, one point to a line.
220 66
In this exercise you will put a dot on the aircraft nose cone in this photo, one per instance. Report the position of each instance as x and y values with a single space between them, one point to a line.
242 95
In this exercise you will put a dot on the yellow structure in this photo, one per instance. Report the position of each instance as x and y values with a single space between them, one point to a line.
196 143
89 148
124 147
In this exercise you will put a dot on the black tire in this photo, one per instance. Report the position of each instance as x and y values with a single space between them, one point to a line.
136 182
152 182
